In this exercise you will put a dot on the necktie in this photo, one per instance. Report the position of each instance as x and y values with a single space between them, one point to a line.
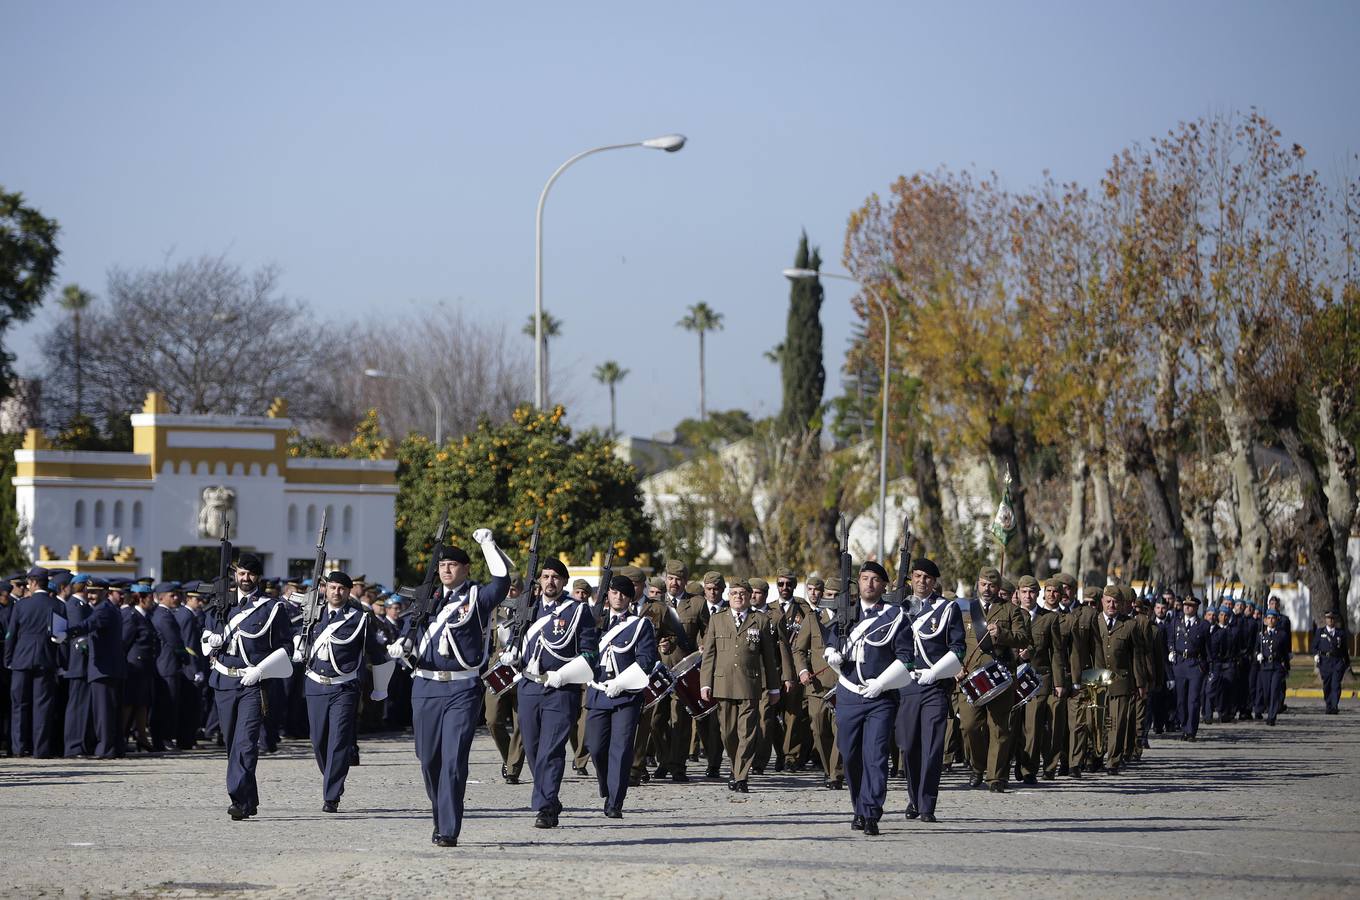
1109 626
740 618
614 621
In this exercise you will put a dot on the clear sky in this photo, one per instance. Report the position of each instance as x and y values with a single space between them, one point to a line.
392 153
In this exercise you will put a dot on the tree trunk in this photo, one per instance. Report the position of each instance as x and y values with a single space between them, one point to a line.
613 422
1099 542
79 361
1340 487
1253 534
703 412
930 511
1168 535
1313 525
1001 442
1074 534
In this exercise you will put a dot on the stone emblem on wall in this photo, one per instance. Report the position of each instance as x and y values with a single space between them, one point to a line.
218 503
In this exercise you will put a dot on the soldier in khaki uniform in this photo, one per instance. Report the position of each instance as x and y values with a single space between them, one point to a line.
672 726
815 678
1055 758
702 611
1114 650
770 725
1038 748
741 665
666 625
502 713
797 723
986 730
1080 713
580 590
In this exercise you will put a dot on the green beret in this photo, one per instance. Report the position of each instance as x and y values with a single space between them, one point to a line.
1091 593
632 573
989 573
657 581
677 568
694 588
816 583
1029 581
785 572
758 584
713 578
1113 590
1007 586
740 583
1066 580
580 584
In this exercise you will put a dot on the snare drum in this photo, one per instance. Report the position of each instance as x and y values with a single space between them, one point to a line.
985 683
1028 683
686 674
501 678
658 686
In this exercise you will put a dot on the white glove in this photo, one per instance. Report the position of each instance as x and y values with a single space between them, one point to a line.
1317 660
251 676
198 678
213 640
510 656
611 688
59 638
397 649
926 677
554 679
832 657
774 694
872 688
1171 657
297 655
1171 684
482 535
1260 658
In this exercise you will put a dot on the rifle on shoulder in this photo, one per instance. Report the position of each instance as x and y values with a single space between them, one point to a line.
424 596
315 599
900 592
523 613
844 618
606 576
223 588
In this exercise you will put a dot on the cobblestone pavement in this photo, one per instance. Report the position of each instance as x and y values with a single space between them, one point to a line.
1246 811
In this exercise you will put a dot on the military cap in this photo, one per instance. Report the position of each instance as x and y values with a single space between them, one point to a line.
1091 594
677 568
395 599
60 579
251 562
1047 583
1008 586
5 586
140 588
785 572
758 584
1029 581
146 580
59 571
1113 590
455 554
1276 614
742 583
193 588
623 584
166 587
713 578
341 579
926 565
554 564
815 582
1329 614
580 584
360 579
1190 598
870 566
833 585
657 581
80 578
120 584
99 582
989 573
694 588
1066 580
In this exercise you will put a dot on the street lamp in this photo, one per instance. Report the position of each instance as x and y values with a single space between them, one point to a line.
434 399
800 274
670 143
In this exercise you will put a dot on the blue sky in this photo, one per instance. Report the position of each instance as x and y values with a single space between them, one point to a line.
392 154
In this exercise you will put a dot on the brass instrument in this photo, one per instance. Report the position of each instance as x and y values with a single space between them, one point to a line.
1094 685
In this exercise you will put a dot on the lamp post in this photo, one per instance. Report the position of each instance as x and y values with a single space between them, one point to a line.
800 274
434 399
670 143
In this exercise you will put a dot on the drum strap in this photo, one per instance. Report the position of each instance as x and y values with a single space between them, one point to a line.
979 623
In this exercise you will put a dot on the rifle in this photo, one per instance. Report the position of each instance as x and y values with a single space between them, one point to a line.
843 620
222 600
903 562
314 599
523 612
606 575
423 596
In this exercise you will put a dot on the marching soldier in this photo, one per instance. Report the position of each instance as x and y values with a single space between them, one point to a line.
627 655
1272 651
1223 652
1189 657
770 723
670 639
1039 746
1115 652
139 637
1331 656
74 674
32 660
797 725
740 665
701 612
1081 714
502 716
254 643
674 719
994 632
937 627
817 678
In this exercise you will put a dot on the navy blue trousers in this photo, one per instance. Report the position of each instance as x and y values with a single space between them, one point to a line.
332 715
1332 669
275 711
864 729
1271 682
546 720
106 710
33 693
1222 690
1189 692
611 735
921 718
445 715
238 711
76 730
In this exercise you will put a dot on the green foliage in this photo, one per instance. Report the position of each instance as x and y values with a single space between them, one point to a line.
681 530
368 442
28 261
501 476
720 428
11 557
800 356
81 433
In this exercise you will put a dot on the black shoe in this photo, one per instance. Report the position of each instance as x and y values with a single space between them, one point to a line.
612 813
251 811
545 819
508 776
330 807
911 812
779 763
1064 770
581 770
996 787
236 813
871 827
741 788
354 757
444 840
646 777
1075 772
434 837
1049 776
975 780
694 757
661 772
928 817
857 823
635 780
712 774
679 778
759 770
1029 779
1270 722
1192 738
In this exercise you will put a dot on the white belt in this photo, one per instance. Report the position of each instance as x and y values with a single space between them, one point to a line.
850 686
227 670
445 675
337 679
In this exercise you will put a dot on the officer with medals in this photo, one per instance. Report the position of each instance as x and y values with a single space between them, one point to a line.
446 689
556 653
254 643
937 634
1272 652
627 655
874 660
342 644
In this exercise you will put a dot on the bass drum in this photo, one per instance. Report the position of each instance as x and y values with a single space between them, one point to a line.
1028 683
985 683
686 675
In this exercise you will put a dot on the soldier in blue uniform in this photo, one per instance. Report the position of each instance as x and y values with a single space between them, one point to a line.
627 655
937 632
1331 655
1189 657
557 653
1223 653
254 643
446 690
32 660
6 610
101 631
174 671
1272 652
139 639
343 643
77 731
874 660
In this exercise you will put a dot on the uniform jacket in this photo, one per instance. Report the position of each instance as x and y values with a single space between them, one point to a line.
1189 643
937 629
103 628
876 639
1329 646
173 657
28 642
73 656
1047 656
454 639
139 641
618 648
261 627
343 648
779 629
558 634
1223 647
1012 633
1273 648
1115 651
740 663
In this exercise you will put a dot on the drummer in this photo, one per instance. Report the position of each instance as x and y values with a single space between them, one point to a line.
628 653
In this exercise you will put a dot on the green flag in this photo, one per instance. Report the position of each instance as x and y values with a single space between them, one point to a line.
1003 523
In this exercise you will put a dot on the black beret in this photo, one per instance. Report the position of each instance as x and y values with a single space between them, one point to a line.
556 565
341 579
926 565
457 554
251 562
623 584
871 566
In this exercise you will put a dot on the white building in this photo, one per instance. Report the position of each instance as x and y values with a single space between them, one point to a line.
158 510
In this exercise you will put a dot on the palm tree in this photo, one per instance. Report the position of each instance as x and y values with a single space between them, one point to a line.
74 300
609 374
701 318
552 328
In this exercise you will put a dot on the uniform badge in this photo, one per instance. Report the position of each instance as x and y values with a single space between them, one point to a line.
463 615
559 627
753 636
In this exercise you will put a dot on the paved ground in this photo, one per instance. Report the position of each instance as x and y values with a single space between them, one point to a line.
1247 811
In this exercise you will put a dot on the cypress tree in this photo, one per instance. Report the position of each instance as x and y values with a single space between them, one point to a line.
801 368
